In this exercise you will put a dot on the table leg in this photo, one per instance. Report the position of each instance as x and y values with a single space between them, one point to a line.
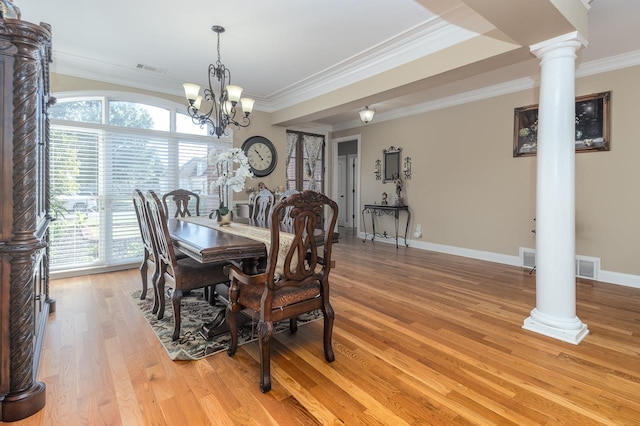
373 225
364 227
219 325
397 218
406 228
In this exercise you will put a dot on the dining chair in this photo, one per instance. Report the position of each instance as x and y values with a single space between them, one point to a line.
285 218
262 205
181 274
302 284
150 256
181 199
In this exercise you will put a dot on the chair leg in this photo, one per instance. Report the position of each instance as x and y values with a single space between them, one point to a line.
232 322
176 298
265 332
159 289
328 313
293 325
143 273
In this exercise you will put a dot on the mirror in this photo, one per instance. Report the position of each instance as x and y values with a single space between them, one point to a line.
391 158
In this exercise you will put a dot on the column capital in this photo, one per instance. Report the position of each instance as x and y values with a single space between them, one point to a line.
573 40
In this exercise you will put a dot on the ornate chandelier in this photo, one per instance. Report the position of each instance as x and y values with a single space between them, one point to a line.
223 102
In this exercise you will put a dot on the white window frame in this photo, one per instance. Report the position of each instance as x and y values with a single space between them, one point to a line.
104 262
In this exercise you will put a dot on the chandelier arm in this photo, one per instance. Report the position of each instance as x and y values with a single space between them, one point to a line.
220 113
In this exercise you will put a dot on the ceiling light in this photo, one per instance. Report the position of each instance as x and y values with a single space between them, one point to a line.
366 114
223 101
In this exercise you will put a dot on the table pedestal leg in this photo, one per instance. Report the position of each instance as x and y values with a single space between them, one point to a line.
219 325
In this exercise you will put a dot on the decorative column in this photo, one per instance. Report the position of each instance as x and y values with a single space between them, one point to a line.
555 311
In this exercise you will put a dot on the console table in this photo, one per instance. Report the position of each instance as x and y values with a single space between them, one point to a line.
383 209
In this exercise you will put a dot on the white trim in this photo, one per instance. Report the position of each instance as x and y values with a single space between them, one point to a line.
627 280
70 273
422 40
613 63
619 278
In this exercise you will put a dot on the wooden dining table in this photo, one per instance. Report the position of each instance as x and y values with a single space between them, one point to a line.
207 244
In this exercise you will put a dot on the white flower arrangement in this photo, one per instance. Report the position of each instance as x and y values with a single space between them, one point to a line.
229 176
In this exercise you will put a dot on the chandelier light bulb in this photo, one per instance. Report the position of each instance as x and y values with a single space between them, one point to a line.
247 105
191 91
234 93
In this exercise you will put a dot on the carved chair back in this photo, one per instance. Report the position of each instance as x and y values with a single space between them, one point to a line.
182 274
285 217
262 204
296 280
150 256
181 199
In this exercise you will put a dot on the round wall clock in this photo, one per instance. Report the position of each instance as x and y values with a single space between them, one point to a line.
262 155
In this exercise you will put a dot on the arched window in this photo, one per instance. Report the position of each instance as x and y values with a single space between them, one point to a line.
101 149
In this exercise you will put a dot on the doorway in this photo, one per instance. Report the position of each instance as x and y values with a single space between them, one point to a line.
346 182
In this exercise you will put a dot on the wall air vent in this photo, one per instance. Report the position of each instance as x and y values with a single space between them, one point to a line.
528 259
586 267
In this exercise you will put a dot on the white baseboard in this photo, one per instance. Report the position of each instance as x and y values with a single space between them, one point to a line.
619 278
610 277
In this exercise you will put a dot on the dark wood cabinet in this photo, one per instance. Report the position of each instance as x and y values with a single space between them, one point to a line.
25 54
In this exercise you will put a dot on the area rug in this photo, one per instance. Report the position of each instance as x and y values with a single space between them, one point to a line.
196 311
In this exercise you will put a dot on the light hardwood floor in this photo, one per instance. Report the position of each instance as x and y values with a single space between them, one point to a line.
419 338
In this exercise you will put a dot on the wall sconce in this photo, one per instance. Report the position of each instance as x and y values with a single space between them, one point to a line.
366 114
407 168
378 169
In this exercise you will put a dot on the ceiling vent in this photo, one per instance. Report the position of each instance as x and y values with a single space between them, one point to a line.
151 69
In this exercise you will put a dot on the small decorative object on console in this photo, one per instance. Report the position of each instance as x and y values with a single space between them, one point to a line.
398 182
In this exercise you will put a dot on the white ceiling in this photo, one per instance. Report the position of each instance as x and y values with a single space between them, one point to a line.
278 49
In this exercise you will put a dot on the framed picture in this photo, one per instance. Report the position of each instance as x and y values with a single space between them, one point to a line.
592 125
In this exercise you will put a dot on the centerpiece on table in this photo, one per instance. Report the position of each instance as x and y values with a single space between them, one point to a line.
233 170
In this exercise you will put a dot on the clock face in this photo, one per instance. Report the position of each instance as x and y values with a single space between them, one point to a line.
262 155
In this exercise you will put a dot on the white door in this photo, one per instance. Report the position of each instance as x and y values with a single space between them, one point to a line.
342 190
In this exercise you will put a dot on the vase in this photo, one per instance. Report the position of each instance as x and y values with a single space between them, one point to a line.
224 219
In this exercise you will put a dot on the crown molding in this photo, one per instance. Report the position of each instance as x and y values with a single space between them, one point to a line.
419 41
612 63
416 42
76 66
589 68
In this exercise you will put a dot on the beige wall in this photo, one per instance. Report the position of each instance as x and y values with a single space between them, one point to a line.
260 122
468 191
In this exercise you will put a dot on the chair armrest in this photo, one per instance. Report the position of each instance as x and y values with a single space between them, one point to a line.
235 273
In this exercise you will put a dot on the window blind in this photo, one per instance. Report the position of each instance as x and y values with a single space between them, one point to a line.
94 170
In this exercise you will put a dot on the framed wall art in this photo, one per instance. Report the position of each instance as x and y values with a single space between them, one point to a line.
593 113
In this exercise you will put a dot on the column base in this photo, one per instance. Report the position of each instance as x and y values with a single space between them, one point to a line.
572 331
20 406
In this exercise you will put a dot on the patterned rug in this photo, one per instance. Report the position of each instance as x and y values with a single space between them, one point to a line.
196 311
